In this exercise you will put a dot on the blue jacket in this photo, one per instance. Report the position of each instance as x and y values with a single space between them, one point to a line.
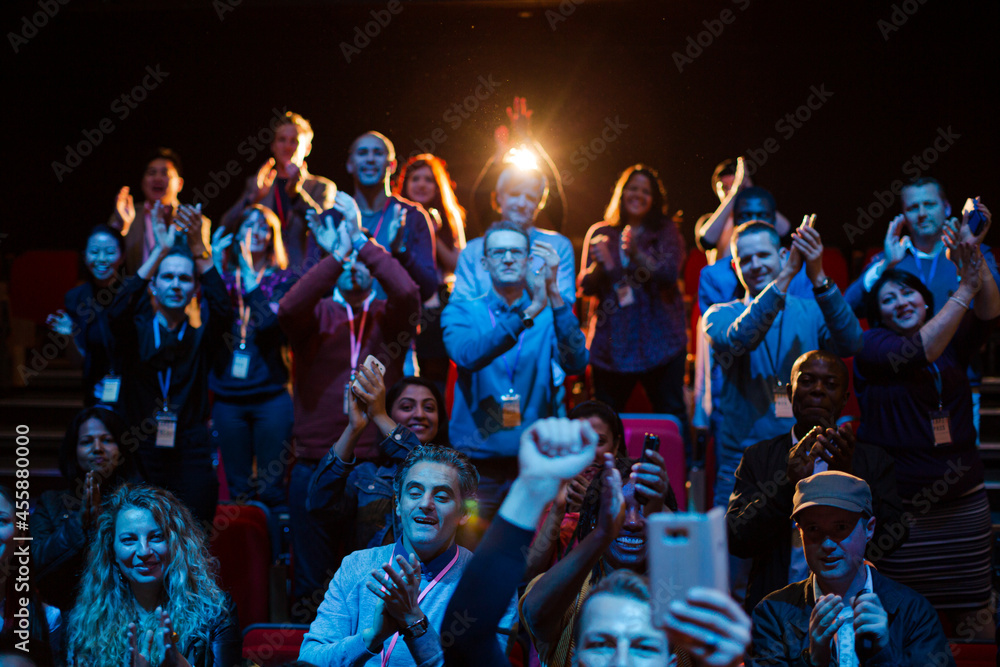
487 350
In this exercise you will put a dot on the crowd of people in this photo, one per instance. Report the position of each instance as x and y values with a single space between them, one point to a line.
305 344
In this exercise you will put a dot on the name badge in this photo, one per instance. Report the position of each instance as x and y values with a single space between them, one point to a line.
941 425
511 404
112 384
166 429
241 365
625 295
782 404
347 395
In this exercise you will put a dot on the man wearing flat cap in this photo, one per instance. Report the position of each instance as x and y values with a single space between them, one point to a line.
845 614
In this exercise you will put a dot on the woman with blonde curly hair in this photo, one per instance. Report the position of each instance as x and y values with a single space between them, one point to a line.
149 595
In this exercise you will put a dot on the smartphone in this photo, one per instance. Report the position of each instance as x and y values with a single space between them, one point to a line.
651 442
684 550
374 365
976 220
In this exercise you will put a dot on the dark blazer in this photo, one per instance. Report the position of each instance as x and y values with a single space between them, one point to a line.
758 519
781 628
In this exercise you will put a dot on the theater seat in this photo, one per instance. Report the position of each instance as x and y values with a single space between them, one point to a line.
671 446
975 654
39 280
835 266
695 262
241 541
272 644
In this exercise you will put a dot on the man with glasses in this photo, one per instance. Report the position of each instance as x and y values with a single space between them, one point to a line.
504 344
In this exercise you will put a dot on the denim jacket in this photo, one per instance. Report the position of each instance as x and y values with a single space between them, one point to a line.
362 493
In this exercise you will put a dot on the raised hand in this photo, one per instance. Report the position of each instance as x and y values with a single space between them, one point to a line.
370 388
548 254
836 447
612 514
808 242
969 259
651 482
61 323
91 506
347 207
556 449
125 208
601 250
189 219
327 235
536 284
397 231
165 234
245 257
520 118
265 179
220 241
296 178
893 246
710 626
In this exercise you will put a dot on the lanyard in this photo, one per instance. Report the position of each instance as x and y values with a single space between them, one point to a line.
934 262
767 349
381 218
503 357
938 385
356 339
244 310
165 380
388 651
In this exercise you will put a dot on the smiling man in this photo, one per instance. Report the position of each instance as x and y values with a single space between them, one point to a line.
844 612
766 477
756 340
387 605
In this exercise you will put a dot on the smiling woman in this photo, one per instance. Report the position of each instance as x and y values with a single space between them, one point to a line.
149 588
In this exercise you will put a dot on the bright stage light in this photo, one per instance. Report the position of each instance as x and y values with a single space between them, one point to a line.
523 158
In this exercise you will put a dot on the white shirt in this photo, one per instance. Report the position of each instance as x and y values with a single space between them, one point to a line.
843 649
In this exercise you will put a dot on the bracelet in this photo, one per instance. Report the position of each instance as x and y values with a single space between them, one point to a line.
959 302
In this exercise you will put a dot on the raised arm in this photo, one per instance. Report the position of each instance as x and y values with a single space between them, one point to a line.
709 232
936 334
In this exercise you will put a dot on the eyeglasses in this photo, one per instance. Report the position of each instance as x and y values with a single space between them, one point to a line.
497 254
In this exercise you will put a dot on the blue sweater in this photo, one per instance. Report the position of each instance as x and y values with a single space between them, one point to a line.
485 353
334 638
743 414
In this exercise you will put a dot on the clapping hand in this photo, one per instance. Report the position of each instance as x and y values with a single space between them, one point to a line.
612 509
398 591
265 179
91 506
220 241
125 208
520 119
808 242
166 645
601 250
165 234
871 622
969 260
397 231
801 458
61 323
894 246
330 237
824 621
550 269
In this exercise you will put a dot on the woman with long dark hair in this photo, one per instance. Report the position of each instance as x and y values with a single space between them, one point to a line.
424 179
631 264
94 462
149 594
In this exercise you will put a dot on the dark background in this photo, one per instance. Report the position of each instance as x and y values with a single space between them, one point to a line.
605 60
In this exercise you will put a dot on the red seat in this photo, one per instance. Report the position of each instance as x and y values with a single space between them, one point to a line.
696 261
39 280
671 446
835 266
977 654
241 541
272 644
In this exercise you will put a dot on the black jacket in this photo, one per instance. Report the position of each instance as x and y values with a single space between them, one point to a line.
758 519
781 628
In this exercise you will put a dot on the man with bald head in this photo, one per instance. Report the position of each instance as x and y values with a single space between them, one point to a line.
758 520
398 225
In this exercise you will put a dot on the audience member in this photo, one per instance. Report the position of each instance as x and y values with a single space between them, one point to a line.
42 636
252 411
149 594
505 345
845 611
756 340
913 388
284 185
766 477
631 263
161 182
94 462
515 144
358 496
329 338
424 179
399 225
86 317
166 361
400 591
713 231
521 193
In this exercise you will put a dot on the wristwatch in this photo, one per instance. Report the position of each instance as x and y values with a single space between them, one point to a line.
415 629
527 320
823 287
